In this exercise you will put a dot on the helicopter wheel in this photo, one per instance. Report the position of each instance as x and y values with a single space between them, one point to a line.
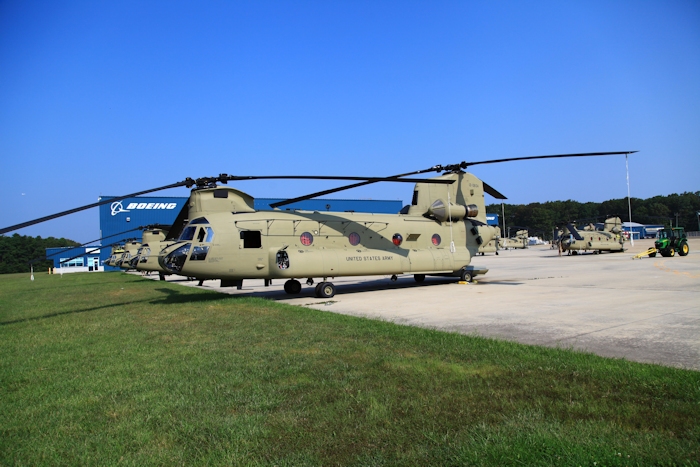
465 276
325 290
292 286
419 277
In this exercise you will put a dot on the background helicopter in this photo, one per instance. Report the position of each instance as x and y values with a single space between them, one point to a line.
519 241
492 246
597 238
437 234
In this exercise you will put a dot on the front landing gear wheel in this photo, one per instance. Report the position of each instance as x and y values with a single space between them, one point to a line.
325 290
465 276
292 286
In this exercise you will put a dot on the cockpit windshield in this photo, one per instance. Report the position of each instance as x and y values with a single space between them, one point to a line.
203 233
188 233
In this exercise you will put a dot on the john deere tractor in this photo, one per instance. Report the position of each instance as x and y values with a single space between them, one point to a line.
670 241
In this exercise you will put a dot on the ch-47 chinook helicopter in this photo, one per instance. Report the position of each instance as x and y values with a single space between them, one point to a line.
115 255
519 241
437 234
131 248
154 239
608 237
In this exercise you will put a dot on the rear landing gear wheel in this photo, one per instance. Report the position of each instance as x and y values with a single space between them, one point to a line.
292 286
325 290
419 277
465 276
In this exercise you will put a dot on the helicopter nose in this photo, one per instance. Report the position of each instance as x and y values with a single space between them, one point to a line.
175 260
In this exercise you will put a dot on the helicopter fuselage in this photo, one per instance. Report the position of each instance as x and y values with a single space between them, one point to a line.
298 244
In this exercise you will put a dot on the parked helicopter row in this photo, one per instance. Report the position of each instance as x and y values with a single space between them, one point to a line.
219 234
605 237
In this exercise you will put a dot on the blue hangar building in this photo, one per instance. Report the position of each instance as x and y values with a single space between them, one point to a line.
123 220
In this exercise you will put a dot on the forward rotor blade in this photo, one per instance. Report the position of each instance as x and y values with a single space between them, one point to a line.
394 178
91 251
329 177
98 240
187 182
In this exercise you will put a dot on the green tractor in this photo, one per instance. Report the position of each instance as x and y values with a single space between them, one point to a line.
670 241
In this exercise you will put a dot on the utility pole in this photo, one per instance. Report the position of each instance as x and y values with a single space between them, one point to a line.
503 215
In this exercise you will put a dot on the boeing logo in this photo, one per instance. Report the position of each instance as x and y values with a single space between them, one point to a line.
117 206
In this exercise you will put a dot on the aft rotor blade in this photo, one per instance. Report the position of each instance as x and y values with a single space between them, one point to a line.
574 232
179 222
492 191
553 156
187 182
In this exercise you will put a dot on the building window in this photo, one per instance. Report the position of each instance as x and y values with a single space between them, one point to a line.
74 263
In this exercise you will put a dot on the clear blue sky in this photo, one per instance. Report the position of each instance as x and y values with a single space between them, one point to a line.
108 98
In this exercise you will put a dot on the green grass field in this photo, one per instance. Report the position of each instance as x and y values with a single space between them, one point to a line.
113 369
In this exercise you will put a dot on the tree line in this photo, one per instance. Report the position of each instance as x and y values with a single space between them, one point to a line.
541 218
18 250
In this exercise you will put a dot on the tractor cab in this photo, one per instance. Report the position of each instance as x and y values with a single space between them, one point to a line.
672 240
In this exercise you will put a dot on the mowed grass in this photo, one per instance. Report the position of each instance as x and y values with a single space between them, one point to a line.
113 369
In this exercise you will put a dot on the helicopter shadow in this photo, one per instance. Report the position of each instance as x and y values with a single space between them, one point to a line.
373 285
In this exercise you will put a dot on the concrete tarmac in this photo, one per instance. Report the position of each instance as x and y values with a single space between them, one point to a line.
645 310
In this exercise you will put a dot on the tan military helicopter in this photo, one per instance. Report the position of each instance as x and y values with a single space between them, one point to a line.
437 234
131 248
606 237
493 246
519 241
153 240
115 255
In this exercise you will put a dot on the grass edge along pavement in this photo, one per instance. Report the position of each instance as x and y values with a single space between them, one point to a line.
114 369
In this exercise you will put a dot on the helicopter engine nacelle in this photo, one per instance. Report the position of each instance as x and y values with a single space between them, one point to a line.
455 212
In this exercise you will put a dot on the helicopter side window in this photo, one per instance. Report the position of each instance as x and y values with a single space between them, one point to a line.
188 233
251 239
210 234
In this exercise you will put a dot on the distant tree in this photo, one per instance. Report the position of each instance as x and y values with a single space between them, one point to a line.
18 250
661 210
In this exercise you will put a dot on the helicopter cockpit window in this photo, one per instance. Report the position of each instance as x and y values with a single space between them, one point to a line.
199 220
251 239
188 233
205 234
